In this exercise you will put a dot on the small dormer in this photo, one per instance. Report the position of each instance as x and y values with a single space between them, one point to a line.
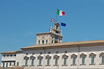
54 36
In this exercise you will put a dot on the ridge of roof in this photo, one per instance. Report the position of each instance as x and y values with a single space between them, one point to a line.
49 33
11 52
68 44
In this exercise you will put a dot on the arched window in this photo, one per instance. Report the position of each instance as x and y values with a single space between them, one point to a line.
40 60
26 60
92 56
56 57
32 58
65 59
48 60
73 56
102 57
83 56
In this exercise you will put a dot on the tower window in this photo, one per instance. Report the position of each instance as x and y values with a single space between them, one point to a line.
52 41
39 42
56 27
57 32
42 41
46 41
56 37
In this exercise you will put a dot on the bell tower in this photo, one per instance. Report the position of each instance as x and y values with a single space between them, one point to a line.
56 30
53 36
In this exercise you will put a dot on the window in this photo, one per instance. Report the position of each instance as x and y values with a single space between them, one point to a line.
83 59
65 59
83 56
40 60
48 59
46 41
57 32
26 60
17 63
39 42
92 59
32 62
102 57
56 61
74 56
10 64
52 41
56 37
74 60
32 58
3 64
14 63
6 64
42 41
56 57
56 27
11 55
7 55
92 56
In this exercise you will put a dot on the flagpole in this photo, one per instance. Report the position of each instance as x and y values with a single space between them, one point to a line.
50 26
56 16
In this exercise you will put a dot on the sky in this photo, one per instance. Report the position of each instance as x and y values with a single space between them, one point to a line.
21 20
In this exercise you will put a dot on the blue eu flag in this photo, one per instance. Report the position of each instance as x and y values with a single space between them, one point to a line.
63 24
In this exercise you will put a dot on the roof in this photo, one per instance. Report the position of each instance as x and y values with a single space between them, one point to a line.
11 52
67 44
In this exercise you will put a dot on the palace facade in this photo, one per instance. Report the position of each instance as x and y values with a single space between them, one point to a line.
51 53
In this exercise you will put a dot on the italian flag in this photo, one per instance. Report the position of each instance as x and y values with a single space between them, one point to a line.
60 12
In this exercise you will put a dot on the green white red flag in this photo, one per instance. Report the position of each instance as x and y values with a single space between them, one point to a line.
60 12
